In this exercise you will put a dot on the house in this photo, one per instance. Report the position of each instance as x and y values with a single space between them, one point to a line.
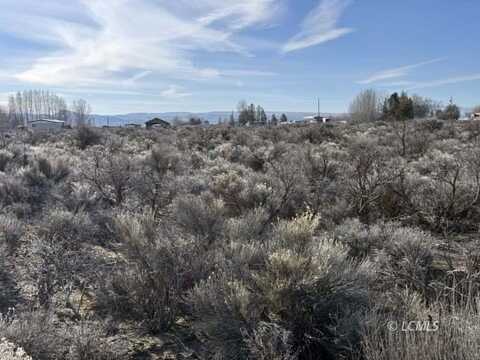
157 123
133 126
316 120
46 125
475 116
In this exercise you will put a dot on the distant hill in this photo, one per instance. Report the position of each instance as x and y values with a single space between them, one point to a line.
212 117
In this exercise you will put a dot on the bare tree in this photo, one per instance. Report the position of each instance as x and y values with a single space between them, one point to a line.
424 107
3 118
366 106
81 110
35 104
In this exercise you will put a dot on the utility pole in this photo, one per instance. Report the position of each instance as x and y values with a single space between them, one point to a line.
318 108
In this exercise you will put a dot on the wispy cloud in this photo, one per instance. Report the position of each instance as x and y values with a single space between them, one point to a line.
174 92
139 76
237 15
396 84
98 42
397 72
242 73
448 81
320 26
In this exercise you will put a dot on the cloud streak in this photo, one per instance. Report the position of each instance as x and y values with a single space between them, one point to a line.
448 81
102 43
396 72
320 26
174 92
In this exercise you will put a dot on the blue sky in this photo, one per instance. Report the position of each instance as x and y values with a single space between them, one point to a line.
184 55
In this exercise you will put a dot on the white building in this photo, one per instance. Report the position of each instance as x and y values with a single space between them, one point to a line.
475 116
46 124
316 120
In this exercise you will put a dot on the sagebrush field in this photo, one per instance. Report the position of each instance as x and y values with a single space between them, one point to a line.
297 242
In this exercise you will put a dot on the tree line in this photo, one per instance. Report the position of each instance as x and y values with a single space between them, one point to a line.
369 105
249 115
30 105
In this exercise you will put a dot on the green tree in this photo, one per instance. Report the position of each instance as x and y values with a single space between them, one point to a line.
194 121
405 108
398 107
283 118
390 106
231 121
252 114
451 112
274 120
243 116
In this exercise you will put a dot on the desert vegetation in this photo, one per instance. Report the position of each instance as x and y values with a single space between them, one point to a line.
297 242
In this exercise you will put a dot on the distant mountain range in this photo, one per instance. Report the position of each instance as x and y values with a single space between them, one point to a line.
212 117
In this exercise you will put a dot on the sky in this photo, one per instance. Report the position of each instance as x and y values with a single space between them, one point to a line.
127 56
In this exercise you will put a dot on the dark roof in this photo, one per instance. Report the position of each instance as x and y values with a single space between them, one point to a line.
157 121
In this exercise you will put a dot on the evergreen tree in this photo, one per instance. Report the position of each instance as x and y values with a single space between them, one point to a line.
252 116
451 112
390 106
242 113
274 120
231 121
398 107
405 107
283 118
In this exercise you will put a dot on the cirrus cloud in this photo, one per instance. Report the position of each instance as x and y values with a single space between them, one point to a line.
320 26
124 41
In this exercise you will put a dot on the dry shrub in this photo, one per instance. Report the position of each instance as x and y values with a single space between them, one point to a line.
201 216
360 238
80 197
111 174
295 234
33 331
305 285
40 334
5 158
365 175
8 287
288 184
60 262
313 294
55 170
9 351
12 190
146 283
450 335
407 260
66 226
365 240
247 227
86 136
11 230
155 184
270 342
221 309
88 341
